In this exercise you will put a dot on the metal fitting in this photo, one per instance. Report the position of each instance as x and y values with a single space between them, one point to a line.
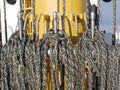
92 22
55 17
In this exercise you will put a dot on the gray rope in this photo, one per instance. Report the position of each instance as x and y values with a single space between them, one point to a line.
98 14
27 69
63 13
16 69
113 21
91 50
87 14
5 20
33 19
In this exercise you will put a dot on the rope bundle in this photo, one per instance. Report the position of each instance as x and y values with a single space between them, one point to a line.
90 65
17 64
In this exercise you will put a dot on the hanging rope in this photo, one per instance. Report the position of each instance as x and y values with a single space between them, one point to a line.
63 55
87 14
98 14
113 71
113 21
5 22
63 13
94 53
33 19
16 64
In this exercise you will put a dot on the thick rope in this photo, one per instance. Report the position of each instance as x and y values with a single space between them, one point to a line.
94 53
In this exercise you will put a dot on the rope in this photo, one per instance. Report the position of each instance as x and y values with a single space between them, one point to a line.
113 73
90 51
27 69
16 70
33 19
63 15
87 14
59 52
4 5
113 21
98 14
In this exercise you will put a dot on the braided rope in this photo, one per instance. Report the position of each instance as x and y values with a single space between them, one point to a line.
87 14
91 51
113 21
98 14
63 13
33 18
23 71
